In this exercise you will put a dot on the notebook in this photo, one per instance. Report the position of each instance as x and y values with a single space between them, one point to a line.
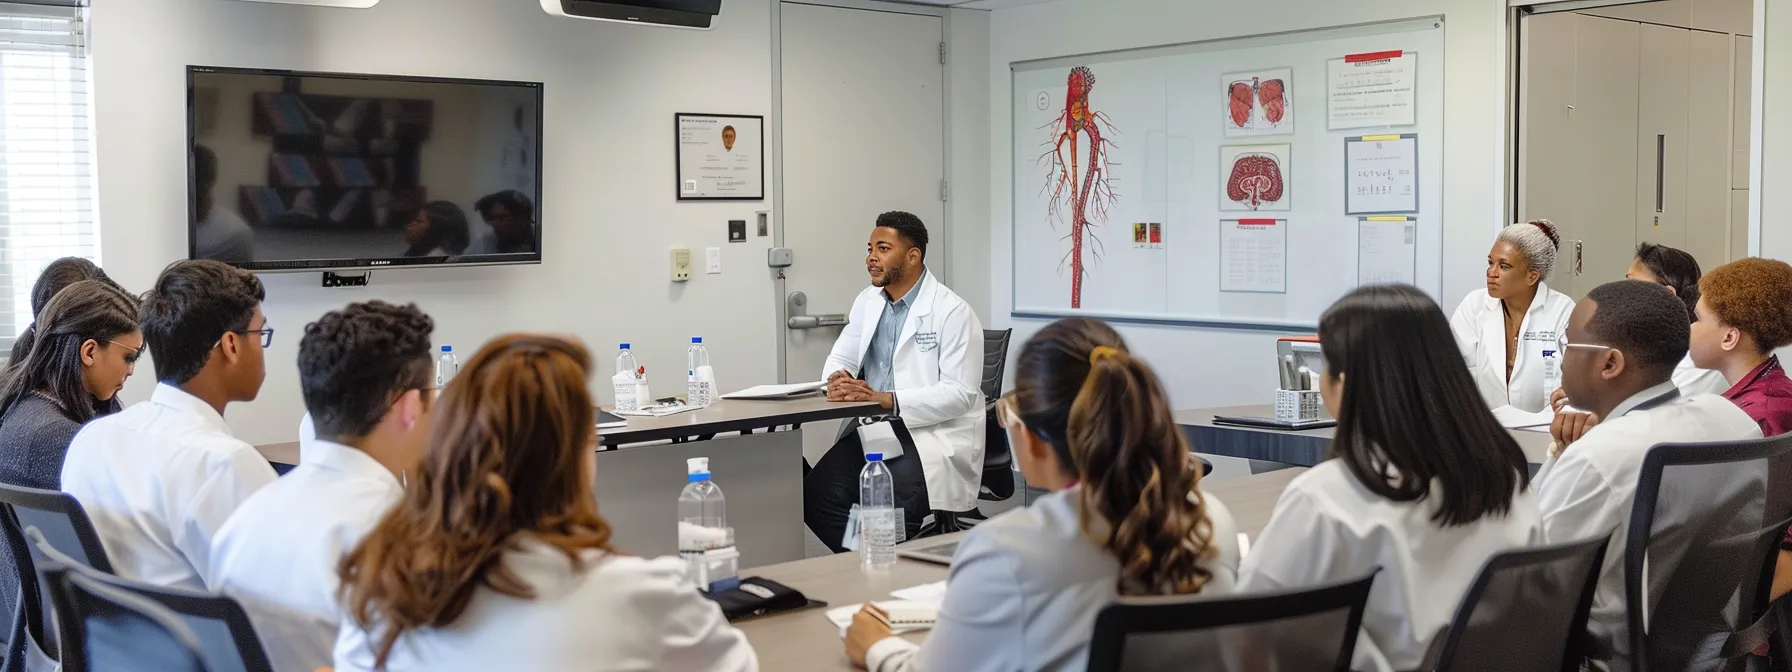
901 615
1272 423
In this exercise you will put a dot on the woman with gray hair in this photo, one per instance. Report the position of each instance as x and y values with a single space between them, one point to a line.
1509 331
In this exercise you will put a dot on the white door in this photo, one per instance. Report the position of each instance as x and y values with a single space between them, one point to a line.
863 128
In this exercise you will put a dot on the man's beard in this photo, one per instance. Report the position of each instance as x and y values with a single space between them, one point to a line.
892 276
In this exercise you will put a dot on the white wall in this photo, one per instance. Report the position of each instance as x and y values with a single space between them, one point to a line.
1217 367
1770 152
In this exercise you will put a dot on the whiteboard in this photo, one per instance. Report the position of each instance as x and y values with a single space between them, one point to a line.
1173 123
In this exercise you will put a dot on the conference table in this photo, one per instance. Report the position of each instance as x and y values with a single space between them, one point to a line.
755 451
1301 448
802 641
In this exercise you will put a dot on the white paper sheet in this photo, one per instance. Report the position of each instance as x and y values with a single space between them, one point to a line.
1386 250
1514 418
1254 255
776 391
1372 89
1381 174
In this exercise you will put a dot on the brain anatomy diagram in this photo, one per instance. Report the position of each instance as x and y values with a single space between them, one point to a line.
1257 103
1255 180
1077 174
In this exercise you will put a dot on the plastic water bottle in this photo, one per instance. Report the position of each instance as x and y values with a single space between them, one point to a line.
704 539
627 398
446 366
701 378
877 514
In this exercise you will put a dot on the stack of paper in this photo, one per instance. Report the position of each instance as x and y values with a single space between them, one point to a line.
791 391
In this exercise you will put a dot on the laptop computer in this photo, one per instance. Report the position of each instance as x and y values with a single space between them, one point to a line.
939 554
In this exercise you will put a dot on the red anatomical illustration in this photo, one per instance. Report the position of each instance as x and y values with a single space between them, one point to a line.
1079 187
1256 179
1239 102
1270 94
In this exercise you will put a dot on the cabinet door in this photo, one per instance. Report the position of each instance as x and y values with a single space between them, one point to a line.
1548 186
1662 93
1708 107
1605 157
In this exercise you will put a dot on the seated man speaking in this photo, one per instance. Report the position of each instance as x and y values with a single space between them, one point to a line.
915 348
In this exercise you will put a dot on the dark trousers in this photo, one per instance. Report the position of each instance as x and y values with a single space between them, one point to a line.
831 488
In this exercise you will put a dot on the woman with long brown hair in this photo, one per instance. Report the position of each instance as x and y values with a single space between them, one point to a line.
1091 423
496 558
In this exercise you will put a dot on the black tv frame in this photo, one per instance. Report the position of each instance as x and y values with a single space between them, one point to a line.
301 265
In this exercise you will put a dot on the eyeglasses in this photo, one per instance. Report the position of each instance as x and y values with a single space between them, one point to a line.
1562 342
267 336
1006 416
134 354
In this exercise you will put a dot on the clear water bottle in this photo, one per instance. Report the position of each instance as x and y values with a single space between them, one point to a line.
878 522
625 380
701 378
704 539
446 366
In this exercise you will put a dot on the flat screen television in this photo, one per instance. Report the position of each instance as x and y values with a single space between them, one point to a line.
292 171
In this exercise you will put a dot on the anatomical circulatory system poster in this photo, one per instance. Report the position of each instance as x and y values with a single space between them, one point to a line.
1255 177
1259 102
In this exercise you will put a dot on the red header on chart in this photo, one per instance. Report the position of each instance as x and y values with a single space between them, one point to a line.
1373 56
1256 222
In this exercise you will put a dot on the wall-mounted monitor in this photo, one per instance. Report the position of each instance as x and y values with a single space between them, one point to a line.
293 171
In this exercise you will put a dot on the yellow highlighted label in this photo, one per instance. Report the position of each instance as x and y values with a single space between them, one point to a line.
1377 138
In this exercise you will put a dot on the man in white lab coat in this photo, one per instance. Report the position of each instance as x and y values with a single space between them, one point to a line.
1620 348
366 375
159 478
916 349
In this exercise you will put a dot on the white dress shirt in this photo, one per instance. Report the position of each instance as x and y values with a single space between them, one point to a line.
1024 591
1328 527
1589 488
278 554
158 479
617 613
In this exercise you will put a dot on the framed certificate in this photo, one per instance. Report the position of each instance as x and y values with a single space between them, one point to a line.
721 157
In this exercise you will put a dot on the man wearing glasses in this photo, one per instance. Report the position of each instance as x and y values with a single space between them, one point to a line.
1618 356
159 478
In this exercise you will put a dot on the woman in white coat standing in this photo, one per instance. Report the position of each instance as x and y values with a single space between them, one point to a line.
1508 331
495 557
1424 484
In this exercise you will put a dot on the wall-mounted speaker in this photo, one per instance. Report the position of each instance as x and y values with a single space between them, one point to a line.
694 14
350 4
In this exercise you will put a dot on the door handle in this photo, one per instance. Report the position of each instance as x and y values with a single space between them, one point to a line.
797 307
1661 149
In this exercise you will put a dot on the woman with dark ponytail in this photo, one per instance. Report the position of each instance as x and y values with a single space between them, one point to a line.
1423 483
1091 423
57 275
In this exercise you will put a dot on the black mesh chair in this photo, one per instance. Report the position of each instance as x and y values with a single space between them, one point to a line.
998 461
117 631
1699 556
1294 630
226 638
65 524
1537 596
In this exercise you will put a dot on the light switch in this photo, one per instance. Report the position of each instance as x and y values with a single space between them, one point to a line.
681 264
715 260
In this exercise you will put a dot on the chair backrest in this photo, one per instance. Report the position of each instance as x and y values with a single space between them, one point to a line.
1539 596
62 520
117 630
995 361
1294 630
1699 557
226 638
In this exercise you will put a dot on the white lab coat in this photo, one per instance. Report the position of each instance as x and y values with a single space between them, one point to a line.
278 554
1480 328
1693 380
1589 488
618 613
1328 527
158 480
938 367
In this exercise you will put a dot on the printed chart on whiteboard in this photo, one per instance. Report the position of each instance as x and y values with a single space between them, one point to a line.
1385 250
1372 89
1381 174
1254 255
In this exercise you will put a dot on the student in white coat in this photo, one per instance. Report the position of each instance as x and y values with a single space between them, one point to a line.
365 371
159 478
1093 425
1507 331
495 557
1619 354
915 348
1427 496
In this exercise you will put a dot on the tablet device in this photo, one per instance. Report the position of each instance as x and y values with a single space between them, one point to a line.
939 554
608 420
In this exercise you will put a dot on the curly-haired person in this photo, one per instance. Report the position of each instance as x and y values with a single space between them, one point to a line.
366 377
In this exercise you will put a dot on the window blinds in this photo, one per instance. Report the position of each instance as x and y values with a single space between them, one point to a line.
46 152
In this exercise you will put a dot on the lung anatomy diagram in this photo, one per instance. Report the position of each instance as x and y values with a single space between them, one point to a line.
1077 180
1258 103
1255 177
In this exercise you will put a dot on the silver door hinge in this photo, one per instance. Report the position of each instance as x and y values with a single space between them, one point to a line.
942 53
942 191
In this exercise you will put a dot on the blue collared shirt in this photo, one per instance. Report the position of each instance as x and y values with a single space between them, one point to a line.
880 370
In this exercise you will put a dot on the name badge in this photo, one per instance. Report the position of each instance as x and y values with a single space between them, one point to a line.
927 341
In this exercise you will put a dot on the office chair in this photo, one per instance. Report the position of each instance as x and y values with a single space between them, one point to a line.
1539 596
111 630
998 461
32 641
1312 629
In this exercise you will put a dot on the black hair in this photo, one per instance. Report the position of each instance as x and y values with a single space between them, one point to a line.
194 303
447 230
518 204
57 275
1643 322
1411 424
908 227
1673 268
205 176
354 362
89 310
